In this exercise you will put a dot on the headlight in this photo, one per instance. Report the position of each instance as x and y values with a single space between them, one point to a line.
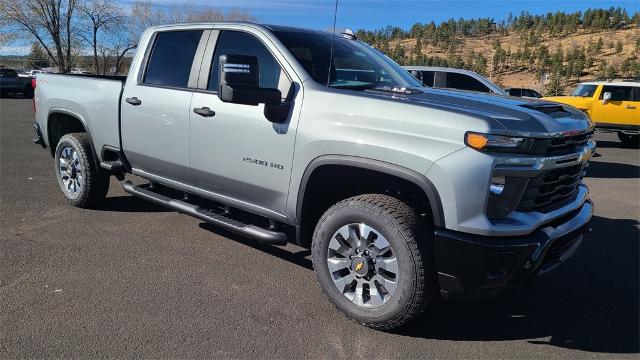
487 142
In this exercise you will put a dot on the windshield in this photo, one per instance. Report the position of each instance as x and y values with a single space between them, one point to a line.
585 90
355 65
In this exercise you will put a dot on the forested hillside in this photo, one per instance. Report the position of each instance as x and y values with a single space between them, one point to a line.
546 52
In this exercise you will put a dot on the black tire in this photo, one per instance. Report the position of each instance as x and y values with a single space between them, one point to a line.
95 184
412 242
629 140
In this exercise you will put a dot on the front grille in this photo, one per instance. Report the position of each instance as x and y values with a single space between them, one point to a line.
553 189
560 145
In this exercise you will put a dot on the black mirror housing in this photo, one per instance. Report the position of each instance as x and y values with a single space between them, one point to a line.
239 82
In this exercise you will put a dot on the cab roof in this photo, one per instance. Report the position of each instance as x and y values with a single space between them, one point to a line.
616 83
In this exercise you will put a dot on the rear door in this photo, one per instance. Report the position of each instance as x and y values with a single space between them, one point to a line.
156 106
237 153
621 109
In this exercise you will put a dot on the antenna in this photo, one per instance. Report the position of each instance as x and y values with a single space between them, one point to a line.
333 35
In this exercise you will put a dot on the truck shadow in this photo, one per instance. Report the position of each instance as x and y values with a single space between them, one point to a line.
129 203
590 304
297 258
608 170
606 144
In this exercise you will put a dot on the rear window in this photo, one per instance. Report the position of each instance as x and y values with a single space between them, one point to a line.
7 73
618 93
427 78
464 82
530 93
515 92
171 58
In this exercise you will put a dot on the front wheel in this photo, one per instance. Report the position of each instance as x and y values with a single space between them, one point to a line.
629 140
82 184
371 257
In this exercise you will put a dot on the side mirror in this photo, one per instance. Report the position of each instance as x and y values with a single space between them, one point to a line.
239 82
606 97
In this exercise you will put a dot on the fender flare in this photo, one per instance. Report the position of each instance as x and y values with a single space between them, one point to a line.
76 116
375 165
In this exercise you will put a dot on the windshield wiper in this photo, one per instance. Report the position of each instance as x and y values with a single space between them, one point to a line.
354 87
396 89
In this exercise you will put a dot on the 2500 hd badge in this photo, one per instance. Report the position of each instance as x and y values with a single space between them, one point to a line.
262 162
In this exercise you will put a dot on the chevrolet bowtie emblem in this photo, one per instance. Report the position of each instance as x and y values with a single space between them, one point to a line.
359 266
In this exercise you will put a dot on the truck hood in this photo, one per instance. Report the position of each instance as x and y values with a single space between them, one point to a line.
517 116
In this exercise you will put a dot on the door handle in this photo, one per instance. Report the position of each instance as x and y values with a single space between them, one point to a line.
133 101
630 107
204 111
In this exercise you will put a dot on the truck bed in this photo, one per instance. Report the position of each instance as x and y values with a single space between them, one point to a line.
94 99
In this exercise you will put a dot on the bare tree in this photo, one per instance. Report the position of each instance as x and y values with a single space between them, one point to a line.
5 39
50 22
145 14
101 19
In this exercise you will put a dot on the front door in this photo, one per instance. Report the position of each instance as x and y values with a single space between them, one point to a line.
621 109
237 152
155 109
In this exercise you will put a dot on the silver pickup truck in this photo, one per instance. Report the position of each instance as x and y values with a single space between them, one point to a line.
405 194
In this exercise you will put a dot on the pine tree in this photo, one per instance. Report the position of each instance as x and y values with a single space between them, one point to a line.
37 58
556 85
417 50
618 47
398 54
599 45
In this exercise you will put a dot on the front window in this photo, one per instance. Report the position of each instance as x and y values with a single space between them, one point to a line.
355 64
585 90
618 93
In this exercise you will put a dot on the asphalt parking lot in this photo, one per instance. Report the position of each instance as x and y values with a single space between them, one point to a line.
131 279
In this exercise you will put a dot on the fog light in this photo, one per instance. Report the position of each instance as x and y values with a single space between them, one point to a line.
497 185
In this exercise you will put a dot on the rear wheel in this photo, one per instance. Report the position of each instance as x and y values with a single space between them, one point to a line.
629 140
370 255
78 176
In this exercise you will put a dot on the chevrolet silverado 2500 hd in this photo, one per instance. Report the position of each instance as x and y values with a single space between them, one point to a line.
405 194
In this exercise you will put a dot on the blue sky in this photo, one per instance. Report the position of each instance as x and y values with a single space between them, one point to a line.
373 14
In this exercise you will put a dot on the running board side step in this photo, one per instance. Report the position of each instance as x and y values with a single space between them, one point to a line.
252 231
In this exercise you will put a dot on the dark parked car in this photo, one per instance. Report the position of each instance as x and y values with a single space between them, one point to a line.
522 92
11 83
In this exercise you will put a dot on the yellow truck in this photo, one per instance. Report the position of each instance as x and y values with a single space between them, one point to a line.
613 106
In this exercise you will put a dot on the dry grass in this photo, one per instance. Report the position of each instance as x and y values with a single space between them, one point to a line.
484 45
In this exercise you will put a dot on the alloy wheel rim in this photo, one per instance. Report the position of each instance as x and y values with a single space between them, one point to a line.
71 171
362 265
